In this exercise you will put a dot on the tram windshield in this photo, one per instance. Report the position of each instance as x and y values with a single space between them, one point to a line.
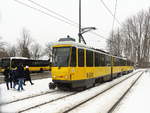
61 56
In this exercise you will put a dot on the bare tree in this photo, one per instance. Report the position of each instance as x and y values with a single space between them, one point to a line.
135 35
12 51
146 40
48 50
115 43
136 32
24 44
3 52
2 44
36 51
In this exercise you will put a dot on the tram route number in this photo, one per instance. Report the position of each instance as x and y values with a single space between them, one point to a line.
89 75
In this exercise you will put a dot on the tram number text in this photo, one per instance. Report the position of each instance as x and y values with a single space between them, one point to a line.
90 75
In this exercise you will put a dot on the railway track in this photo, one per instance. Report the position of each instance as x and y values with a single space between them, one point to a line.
56 97
122 97
50 101
100 93
27 102
28 97
68 99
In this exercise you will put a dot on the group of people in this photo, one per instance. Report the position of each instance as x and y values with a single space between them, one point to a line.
17 77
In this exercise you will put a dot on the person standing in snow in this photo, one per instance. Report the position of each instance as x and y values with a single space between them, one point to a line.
14 77
20 77
7 77
27 75
11 77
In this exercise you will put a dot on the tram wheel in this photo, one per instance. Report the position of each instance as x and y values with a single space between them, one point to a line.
52 85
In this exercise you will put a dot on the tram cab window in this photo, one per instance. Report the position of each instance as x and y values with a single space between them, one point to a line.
89 58
73 57
81 57
61 56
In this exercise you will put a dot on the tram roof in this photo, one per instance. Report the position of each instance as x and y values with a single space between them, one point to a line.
70 43
14 58
79 45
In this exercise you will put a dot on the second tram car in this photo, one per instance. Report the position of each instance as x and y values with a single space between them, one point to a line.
75 65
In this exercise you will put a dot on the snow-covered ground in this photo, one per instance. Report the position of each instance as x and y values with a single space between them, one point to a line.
136 101
39 87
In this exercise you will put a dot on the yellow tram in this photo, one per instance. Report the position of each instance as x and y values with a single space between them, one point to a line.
75 65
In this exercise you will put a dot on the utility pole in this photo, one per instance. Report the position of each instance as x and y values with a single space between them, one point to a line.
79 21
82 30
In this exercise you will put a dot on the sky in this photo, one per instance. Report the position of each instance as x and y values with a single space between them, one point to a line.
44 28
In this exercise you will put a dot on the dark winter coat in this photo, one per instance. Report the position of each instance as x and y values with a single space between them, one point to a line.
13 75
20 72
27 74
6 74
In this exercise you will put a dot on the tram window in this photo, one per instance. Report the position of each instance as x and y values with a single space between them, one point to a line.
123 63
81 57
132 64
89 58
97 59
0 63
119 62
128 63
108 61
102 59
115 62
73 57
